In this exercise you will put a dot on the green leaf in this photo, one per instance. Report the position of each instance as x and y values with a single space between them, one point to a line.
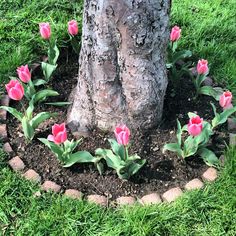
200 79
179 133
41 117
117 148
112 160
56 149
30 109
100 167
210 91
133 157
130 168
214 109
174 46
75 44
203 138
74 144
185 128
43 94
222 117
48 69
27 129
181 55
59 104
13 111
209 157
79 157
53 53
39 82
173 147
169 65
190 147
191 115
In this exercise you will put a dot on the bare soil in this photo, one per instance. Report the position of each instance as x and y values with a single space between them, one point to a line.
161 172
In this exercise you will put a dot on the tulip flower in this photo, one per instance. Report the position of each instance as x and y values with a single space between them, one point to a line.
45 30
73 27
122 134
202 67
195 126
175 34
226 100
24 73
59 134
15 90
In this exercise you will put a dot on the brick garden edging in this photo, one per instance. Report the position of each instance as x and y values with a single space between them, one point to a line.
210 175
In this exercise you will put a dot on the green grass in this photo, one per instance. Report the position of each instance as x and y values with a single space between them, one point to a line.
210 211
19 30
208 30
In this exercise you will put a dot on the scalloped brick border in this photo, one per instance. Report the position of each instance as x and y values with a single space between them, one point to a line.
210 175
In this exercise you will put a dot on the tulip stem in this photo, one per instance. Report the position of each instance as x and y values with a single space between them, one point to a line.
126 152
21 103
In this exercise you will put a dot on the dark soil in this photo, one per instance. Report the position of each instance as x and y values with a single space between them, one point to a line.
160 173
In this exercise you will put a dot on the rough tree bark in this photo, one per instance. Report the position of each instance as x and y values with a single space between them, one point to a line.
122 75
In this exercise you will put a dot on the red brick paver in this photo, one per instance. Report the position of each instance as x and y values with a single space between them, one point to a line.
126 200
194 184
172 194
149 199
97 199
51 186
16 164
73 193
32 175
210 174
3 132
7 148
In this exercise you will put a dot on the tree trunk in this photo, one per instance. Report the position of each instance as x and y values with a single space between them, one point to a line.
122 74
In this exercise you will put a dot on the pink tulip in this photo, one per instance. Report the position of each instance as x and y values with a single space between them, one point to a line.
45 30
24 73
202 67
15 90
122 134
195 126
175 33
226 100
59 134
73 27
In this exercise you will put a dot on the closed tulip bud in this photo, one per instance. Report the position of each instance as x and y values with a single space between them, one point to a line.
202 67
15 90
73 27
195 126
59 134
226 100
122 134
24 73
45 30
175 33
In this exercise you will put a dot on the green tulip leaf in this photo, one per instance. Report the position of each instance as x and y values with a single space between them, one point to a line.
19 116
41 117
56 149
39 82
79 157
48 69
209 157
43 94
27 129
173 147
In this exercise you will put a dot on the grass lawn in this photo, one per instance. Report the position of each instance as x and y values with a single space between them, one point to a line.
208 30
210 211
